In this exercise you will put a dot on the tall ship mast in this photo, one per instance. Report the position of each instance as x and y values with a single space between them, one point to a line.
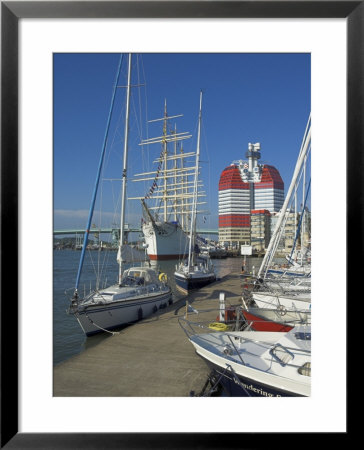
167 205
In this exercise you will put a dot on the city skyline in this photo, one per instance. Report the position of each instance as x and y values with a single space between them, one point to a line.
248 98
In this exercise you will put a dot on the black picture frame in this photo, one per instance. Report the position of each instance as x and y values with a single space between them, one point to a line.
11 12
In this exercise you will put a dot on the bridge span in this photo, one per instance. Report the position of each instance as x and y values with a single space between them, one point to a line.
114 231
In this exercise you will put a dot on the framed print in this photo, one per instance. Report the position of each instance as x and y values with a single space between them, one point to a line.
30 30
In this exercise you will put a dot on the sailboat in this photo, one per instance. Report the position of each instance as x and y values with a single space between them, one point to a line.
287 294
257 363
266 270
264 319
140 290
197 270
165 222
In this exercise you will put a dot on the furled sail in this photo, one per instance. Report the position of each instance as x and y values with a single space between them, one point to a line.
129 254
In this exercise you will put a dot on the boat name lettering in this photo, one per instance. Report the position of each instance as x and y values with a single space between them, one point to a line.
260 391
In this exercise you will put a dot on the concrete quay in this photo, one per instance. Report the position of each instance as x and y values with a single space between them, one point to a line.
152 358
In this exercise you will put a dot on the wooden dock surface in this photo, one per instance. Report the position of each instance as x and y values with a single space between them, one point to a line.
152 358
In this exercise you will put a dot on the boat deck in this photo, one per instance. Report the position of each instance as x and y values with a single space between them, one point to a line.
152 358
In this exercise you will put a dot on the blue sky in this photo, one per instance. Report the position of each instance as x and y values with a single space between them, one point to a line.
247 98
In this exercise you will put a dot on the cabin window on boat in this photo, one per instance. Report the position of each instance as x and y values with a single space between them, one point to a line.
281 354
138 277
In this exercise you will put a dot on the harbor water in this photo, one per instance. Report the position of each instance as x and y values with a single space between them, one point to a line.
68 338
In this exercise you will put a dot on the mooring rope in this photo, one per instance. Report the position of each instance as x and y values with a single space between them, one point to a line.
103 329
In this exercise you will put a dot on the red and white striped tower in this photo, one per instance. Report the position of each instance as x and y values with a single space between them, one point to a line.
246 185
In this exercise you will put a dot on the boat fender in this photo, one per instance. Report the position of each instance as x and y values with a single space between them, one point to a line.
163 278
281 310
140 313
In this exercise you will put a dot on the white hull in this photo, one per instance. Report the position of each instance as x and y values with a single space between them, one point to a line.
165 240
282 315
291 271
251 357
298 302
140 294
94 319
284 285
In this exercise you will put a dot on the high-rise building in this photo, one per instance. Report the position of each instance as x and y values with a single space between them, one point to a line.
244 186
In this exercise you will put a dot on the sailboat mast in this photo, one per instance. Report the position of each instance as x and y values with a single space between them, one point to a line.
273 241
194 203
85 240
165 161
175 176
125 162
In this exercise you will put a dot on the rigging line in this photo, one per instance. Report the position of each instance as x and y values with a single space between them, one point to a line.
97 180
95 272
300 222
139 94
99 264
102 270
298 184
209 165
118 135
145 151
115 133
137 110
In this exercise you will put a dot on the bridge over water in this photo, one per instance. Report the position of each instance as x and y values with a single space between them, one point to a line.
116 231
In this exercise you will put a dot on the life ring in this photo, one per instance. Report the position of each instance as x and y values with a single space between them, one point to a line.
218 326
163 277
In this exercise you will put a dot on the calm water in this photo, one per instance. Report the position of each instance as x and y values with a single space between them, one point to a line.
68 338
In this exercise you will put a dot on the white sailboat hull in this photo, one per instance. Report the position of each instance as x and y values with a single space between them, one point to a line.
165 240
284 285
247 365
298 302
96 318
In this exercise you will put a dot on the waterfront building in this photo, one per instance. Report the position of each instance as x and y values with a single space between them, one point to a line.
287 241
260 229
244 186
290 230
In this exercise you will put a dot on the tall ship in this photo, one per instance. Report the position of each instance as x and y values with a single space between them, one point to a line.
168 202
